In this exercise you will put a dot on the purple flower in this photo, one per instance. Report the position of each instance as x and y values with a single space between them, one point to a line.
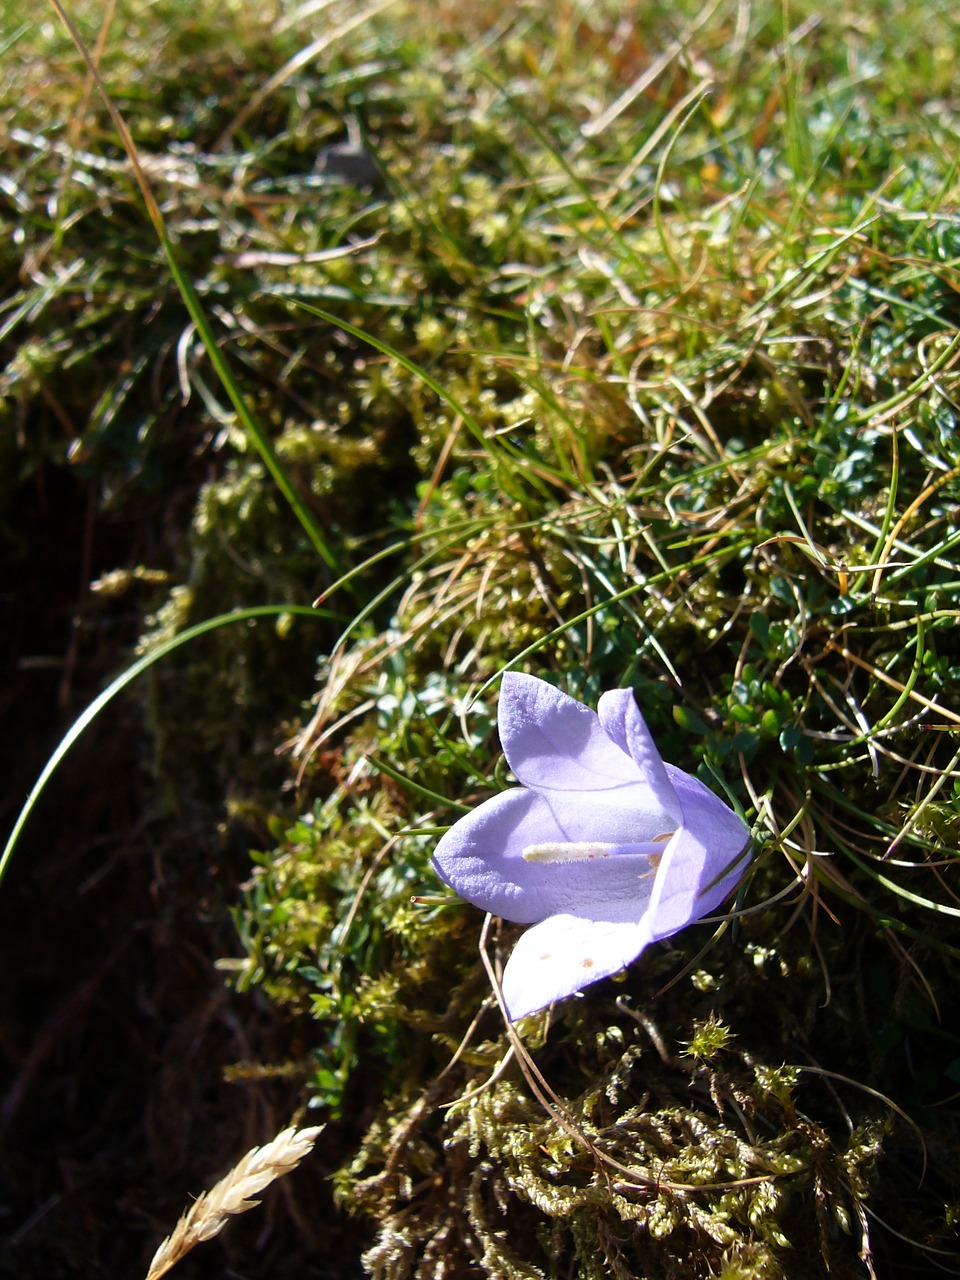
603 848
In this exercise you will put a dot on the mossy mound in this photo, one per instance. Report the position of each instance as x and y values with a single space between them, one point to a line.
649 386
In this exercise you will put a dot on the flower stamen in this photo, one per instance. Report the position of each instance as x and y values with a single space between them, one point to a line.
582 851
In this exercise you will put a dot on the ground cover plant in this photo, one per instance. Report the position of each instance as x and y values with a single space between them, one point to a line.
612 344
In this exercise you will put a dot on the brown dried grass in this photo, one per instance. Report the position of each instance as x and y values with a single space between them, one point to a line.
233 1194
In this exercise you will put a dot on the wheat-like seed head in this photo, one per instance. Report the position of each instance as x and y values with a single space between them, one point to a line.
233 1194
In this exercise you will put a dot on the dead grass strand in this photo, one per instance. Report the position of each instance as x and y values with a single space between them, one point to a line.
233 1194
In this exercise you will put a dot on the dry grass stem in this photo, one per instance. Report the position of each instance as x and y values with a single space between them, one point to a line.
233 1194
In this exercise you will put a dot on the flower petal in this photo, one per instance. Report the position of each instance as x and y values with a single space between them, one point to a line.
564 953
554 743
622 722
482 858
701 864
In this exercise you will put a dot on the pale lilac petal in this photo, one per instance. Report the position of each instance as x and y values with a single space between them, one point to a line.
604 848
702 863
554 743
481 857
564 953
621 720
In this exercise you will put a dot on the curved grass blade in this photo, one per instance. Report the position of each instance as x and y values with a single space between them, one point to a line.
473 426
941 908
254 432
434 797
121 682
510 463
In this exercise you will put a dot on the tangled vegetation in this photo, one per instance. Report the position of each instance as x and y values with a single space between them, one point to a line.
614 343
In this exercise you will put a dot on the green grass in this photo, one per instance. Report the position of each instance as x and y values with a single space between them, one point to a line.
663 395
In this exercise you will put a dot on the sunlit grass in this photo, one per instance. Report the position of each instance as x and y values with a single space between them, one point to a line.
652 386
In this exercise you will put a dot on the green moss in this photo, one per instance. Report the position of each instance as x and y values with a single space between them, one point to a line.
695 434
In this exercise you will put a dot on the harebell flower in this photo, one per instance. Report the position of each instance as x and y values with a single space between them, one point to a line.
603 848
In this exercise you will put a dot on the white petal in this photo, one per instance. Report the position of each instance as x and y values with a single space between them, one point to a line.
564 953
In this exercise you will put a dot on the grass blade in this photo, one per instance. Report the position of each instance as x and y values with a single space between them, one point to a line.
120 683
255 433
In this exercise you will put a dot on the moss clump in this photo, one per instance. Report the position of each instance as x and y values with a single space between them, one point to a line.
660 391
653 1169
